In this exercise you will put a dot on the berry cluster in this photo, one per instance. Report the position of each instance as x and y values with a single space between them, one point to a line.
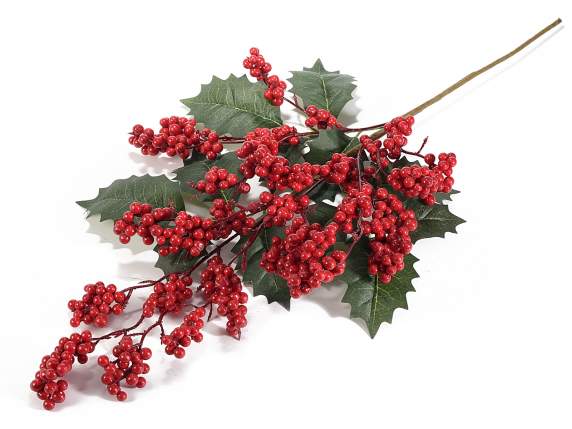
340 170
259 138
261 159
281 209
424 182
300 258
275 91
177 137
128 365
169 296
257 65
218 179
259 69
223 288
96 304
191 233
141 219
229 219
57 364
377 153
320 118
446 163
185 333
357 204
285 133
390 227
209 144
397 131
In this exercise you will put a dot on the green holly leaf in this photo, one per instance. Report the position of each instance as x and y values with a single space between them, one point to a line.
113 201
325 89
272 286
324 191
371 300
354 142
327 143
176 263
440 197
321 213
432 221
195 169
294 154
234 106
403 162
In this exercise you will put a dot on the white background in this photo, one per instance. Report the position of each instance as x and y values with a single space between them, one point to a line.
486 342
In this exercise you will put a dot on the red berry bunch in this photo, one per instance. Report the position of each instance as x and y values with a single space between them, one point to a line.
129 366
275 91
390 228
254 140
191 233
278 173
285 133
229 218
300 258
141 219
57 364
397 130
259 69
374 148
223 288
169 296
98 302
320 118
399 126
424 182
177 137
185 333
445 164
218 179
209 144
357 204
340 170
281 209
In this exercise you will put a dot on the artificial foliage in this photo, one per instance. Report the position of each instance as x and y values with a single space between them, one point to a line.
291 208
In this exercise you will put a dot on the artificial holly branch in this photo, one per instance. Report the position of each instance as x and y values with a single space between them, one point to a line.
336 203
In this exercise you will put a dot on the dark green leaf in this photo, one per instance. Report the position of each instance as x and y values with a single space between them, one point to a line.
294 154
445 196
176 263
273 287
432 221
324 89
403 162
371 300
327 143
354 142
324 191
234 105
321 213
113 201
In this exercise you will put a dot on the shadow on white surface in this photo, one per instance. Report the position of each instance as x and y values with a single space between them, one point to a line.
155 165
104 230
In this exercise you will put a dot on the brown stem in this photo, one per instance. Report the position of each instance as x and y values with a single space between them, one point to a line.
470 77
